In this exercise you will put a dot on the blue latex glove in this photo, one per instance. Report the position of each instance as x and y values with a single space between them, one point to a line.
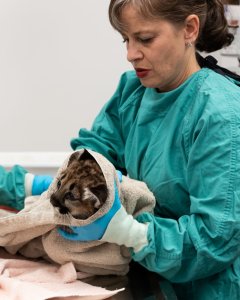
41 183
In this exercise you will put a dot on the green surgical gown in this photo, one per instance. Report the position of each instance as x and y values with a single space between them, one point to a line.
12 189
185 145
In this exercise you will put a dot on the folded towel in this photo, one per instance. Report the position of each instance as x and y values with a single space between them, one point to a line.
33 231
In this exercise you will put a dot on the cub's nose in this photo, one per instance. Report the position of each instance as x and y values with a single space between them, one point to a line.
55 201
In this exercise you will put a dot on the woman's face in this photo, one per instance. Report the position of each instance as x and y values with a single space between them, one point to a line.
157 50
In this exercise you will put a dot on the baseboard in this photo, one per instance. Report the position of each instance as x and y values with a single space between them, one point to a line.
36 162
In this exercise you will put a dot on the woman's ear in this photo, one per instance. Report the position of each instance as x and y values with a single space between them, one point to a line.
191 28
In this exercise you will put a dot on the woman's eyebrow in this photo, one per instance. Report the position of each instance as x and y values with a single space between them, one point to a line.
138 32
143 32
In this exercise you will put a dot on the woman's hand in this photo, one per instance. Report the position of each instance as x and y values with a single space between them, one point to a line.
41 183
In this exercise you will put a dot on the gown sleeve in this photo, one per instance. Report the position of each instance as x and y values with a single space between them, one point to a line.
106 135
12 187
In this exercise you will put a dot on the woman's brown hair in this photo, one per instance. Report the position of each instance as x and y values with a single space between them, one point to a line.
213 31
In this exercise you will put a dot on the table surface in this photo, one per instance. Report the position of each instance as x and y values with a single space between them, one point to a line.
139 284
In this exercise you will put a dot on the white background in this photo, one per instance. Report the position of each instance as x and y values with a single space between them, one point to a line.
60 61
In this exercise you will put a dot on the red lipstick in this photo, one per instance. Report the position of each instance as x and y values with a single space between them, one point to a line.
141 73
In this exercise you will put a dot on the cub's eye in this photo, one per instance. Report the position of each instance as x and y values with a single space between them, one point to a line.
72 186
58 184
69 196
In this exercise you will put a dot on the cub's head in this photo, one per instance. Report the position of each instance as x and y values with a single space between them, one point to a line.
81 187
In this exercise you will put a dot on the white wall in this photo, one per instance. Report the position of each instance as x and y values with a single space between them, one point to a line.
60 61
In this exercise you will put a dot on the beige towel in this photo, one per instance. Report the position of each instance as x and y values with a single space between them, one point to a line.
33 231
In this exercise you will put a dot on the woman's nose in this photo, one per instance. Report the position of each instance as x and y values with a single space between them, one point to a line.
133 53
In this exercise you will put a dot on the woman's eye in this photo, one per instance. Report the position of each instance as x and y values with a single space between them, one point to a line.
125 40
145 40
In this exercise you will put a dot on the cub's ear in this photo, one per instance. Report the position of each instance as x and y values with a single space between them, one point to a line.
86 156
74 157
101 192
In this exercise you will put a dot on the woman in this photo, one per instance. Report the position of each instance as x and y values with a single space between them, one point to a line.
175 126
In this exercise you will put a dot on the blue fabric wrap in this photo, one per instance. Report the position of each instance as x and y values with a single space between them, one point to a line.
41 184
96 229
119 174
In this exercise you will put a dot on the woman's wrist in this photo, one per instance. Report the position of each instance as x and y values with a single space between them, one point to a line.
28 184
123 229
